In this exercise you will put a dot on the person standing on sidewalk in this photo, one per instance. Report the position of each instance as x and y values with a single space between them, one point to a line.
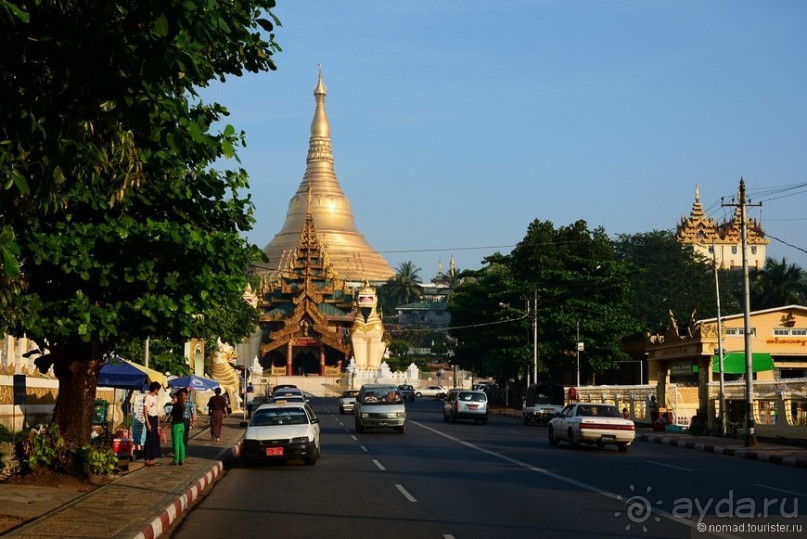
178 428
652 408
152 416
190 413
217 408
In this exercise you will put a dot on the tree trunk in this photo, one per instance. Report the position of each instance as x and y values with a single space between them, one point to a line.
75 402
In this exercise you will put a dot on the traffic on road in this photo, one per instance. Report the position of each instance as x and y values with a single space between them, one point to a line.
504 479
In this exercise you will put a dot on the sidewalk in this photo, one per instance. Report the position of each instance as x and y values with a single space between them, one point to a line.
144 503
772 451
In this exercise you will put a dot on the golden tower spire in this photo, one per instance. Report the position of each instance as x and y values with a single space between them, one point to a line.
320 194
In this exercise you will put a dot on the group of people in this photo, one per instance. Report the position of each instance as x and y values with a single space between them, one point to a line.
183 418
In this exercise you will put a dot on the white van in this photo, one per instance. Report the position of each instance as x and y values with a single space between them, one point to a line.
380 406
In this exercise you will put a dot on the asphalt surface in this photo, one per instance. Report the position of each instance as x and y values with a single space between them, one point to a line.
149 502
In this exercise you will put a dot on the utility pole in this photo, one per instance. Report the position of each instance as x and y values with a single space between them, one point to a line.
722 392
579 347
535 338
750 436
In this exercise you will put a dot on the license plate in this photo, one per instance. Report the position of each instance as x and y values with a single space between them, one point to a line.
274 451
473 406
608 438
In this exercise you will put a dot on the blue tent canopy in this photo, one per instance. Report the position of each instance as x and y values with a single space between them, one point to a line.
199 383
119 374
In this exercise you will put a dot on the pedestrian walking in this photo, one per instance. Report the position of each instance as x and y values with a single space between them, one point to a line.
152 416
178 428
217 407
250 399
190 413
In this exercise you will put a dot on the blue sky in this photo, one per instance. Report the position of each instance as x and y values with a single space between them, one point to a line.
457 123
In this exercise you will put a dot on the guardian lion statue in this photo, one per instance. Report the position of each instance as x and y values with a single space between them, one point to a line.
224 373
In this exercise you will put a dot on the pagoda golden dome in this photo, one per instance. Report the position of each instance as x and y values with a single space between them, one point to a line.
351 257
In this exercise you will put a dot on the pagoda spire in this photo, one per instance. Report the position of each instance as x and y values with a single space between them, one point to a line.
320 195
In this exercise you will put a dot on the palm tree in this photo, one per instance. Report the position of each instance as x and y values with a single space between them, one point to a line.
405 286
778 284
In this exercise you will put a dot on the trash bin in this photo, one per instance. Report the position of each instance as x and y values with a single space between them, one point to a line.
99 412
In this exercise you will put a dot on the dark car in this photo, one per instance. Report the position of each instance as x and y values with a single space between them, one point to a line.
407 392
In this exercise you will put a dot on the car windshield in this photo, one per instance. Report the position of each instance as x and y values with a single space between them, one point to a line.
475 397
381 396
279 416
350 394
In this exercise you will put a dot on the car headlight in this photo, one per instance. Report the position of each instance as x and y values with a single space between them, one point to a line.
365 415
400 414
299 440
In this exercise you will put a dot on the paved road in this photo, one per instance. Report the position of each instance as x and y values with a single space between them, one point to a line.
501 480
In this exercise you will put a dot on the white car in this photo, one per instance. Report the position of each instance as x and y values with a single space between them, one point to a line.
591 423
347 402
438 392
281 430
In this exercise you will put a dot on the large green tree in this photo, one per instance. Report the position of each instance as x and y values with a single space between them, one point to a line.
666 275
125 229
581 288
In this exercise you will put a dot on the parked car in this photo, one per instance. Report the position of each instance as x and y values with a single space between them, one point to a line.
591 423
542 402
380 406
466 404
347 402
407 392
281 431
437 392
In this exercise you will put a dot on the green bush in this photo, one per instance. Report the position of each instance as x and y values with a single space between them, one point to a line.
45 446
98 458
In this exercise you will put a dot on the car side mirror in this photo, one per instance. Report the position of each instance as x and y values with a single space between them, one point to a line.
315 420
244 424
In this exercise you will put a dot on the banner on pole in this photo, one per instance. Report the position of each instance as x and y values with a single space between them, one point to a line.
19 389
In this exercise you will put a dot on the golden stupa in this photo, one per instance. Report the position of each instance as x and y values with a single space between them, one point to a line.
348 252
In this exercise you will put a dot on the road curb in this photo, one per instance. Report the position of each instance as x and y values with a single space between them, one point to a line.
793 462
180 505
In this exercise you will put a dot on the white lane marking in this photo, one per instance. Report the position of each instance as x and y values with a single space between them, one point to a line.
363 448
354 438
380 466
448 536
585 486
668 465
781 490
405 493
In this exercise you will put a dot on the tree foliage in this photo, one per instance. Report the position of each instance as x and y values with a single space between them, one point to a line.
776 284
666 276
405 287
577 280
124 229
